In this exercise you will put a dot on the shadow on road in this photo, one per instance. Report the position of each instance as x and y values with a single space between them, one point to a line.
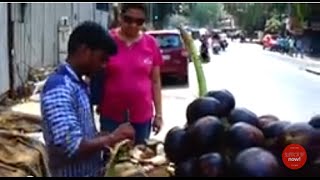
172 83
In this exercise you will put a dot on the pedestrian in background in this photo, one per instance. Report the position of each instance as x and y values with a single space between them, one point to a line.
291 46
132 81
300 48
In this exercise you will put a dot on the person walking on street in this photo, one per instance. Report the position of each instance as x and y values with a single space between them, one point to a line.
132 81
73 144
291 46
300 48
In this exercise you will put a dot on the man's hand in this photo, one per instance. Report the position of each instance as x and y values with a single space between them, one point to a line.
157 124
124 131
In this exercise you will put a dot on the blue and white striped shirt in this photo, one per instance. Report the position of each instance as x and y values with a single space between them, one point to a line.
67 119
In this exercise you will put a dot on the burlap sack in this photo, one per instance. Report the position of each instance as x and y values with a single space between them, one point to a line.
20 122
22 156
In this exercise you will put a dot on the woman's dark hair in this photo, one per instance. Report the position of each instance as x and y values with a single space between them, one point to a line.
94 36
126 6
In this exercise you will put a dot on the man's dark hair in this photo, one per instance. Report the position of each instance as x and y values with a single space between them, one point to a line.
126 6
94 36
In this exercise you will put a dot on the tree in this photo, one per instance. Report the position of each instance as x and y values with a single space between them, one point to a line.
203 14
254 16
273 25
301 10
176 20
163 10
248 16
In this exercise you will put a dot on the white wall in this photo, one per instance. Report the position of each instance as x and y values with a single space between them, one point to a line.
36 38
4 63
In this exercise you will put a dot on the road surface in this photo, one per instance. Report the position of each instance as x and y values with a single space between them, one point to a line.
261 81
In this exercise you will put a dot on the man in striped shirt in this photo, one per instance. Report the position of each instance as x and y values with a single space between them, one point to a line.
73 144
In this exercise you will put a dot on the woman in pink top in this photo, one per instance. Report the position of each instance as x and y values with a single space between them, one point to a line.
132 82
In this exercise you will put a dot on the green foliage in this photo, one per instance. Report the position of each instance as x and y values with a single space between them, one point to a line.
164 10
161 10
184 9
253 16
301 10
273 25
176 21
203 14
278 8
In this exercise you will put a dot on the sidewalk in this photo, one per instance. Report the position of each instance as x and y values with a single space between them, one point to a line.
309 64
310 61
312 65
313 70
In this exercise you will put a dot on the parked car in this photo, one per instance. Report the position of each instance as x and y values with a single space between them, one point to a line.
174 54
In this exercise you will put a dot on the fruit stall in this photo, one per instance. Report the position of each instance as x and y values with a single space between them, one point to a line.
220 139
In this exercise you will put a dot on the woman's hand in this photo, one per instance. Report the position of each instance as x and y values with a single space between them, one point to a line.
157 124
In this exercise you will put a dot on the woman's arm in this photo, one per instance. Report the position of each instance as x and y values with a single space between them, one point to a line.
157 99
156 86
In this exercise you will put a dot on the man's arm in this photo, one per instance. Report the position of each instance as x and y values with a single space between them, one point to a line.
61 119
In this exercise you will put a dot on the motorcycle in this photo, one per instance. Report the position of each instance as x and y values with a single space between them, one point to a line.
223 44
204 53
216 47
242 39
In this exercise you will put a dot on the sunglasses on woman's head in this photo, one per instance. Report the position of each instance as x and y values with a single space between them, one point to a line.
130 20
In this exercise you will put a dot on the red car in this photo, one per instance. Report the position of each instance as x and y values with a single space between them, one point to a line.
175 56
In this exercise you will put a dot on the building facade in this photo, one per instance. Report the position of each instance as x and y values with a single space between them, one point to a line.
30 36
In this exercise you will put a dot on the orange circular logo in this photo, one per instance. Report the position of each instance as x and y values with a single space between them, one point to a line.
294 156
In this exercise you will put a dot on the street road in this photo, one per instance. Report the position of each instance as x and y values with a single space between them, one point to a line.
262 81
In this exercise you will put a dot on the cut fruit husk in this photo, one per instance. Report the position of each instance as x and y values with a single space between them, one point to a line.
137 161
